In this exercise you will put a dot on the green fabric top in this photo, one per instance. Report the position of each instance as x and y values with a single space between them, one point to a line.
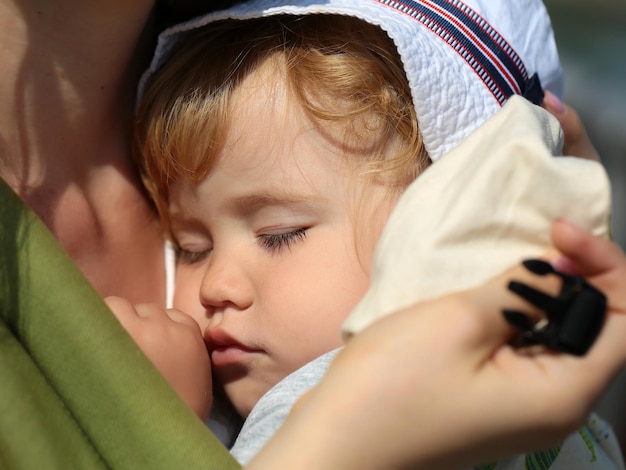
75 391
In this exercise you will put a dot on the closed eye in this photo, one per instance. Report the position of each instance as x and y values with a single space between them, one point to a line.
275 242
190 257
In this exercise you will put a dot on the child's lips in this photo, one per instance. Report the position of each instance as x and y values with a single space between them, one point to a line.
224 349
229 355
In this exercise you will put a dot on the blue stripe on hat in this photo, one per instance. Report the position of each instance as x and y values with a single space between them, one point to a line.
491 57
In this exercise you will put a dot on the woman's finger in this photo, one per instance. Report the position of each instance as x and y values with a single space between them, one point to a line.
591 255
577 142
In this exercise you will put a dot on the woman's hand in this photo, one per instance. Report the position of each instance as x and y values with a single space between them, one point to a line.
577 142
437 385
173 342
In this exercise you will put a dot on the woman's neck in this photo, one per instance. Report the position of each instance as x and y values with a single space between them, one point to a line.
66 98
68 82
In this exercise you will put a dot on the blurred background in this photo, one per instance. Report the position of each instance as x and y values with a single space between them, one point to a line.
591 37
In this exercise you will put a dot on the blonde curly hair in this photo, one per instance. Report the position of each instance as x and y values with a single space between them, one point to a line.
341 70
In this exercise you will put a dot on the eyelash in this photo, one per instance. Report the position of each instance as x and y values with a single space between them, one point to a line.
190 257
276 242
271 242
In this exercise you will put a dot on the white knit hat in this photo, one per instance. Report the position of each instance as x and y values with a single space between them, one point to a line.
463 60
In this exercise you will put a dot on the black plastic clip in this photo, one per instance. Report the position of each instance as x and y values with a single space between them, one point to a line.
533 91
574 318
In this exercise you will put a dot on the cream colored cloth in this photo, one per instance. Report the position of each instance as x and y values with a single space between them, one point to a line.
480 209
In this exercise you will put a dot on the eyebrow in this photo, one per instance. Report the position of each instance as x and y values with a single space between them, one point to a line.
274 197
248 204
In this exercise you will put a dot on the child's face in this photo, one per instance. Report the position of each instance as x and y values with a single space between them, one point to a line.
269 266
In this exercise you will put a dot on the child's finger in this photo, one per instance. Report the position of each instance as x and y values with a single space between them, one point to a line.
152 311
182 318
123 310
131 317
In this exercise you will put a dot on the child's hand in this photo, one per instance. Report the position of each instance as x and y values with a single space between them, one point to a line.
174 344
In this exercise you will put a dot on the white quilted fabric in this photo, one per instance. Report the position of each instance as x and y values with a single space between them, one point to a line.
451 101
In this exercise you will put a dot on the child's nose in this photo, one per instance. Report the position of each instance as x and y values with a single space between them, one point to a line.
225 284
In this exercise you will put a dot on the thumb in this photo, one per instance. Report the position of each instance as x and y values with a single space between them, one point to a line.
590 254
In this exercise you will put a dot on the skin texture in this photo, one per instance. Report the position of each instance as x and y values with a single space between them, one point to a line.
577 141
188 368
268 263
64 121
493 401
520 400
65 114
242 293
